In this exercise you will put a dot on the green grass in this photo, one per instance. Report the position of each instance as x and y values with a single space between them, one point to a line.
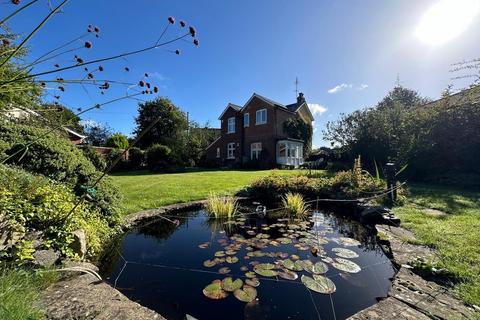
455 236
19 293
144 190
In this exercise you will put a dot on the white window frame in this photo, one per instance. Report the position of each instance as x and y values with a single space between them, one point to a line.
246 119
218 152
231 150
261 119
255 149
231 122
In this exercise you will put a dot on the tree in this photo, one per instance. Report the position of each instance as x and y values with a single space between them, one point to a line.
118 141
59 115
299 129
171 126
97 133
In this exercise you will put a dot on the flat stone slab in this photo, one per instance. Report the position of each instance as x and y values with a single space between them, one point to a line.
387 309
427 297
402 251
85 297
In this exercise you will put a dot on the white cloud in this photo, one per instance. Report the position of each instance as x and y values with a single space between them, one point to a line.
363 86
317 109
157 75
339 88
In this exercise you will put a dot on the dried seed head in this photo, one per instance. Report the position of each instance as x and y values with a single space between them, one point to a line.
79 60
171 20
192 31
61 88
6 42
90 28
177 51
100 68
42 84
155 89
57 65
183 23
16 2
86 69
96 29
90 76
141 83
87 44
146 75
79 109
60 80
127 69
148 85
196 42
97 106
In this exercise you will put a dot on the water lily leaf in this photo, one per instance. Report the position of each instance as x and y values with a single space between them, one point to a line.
284 240
345 253
215 291
294 257
346 265
228 284
254 282
247 294
231 259
219 260
320 268
288 264
298 265
220 254
348 242
307 265
231 252
204 245
243 268
250 274
224 270
266 272
320 284
287 274
209 263
265 266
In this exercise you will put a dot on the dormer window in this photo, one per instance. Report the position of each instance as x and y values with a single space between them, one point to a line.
246 120
231 125
261 116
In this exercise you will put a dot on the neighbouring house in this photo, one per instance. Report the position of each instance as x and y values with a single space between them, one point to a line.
255 133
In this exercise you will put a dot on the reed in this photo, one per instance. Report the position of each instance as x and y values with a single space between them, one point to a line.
221 206
295 205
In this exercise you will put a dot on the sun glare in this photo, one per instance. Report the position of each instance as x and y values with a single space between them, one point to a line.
446 20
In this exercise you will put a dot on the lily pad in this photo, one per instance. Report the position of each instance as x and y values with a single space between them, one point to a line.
298 265
243 268
231 259
231 252
288 264
250 274
266 272
287 274
320 268
254 282
220 254
215 291
228 284
319 284
209 263
346 265
204 245
224 270
348 242
307 265
345 253
267 266
294 257
247 294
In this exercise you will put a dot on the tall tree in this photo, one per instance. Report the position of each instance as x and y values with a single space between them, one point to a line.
171 126
97 133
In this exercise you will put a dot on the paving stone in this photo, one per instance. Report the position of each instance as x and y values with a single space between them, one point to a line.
387 309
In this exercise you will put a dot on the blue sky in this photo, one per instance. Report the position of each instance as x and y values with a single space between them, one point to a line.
249 46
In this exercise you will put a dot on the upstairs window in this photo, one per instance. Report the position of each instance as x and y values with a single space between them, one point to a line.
246 120
261 116
255 150
231 125
231 150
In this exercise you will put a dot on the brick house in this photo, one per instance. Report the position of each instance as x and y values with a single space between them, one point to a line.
255 133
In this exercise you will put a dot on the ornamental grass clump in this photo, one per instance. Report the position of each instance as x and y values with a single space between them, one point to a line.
295 205
221 206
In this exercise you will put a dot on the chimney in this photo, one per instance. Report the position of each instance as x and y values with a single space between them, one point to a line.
300 98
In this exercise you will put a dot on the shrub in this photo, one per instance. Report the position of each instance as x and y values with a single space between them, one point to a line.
95 158
136 158
32 203
295 205
117 141
158 157
58 159
121 165
221 207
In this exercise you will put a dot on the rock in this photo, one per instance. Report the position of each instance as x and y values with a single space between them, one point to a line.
378 214
387 309
46 258
79 244
428 297
434 213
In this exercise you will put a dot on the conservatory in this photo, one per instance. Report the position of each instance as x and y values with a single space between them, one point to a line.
290 152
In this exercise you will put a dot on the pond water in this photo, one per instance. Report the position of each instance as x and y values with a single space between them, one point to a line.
170 269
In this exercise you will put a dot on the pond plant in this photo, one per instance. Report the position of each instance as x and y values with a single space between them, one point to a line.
295 205
221 206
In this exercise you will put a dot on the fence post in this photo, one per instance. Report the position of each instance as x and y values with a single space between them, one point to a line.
390 173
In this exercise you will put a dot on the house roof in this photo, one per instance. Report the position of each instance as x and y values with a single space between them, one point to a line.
471 95
72 132
230 105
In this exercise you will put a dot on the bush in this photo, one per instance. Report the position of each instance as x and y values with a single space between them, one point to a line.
121 165
136 158
117 141
32 203
95 158
159 157
58 159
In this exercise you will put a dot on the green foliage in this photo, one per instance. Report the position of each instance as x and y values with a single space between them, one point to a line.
59 115
159 157
56 158
19 290
295 205
136 158
221 207
96 133
297 128
117 141
437 140
95 158
172 123
33 203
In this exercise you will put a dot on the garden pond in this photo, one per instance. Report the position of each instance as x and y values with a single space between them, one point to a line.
326 266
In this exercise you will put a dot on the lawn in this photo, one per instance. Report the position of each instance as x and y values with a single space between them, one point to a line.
144 190
456 235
